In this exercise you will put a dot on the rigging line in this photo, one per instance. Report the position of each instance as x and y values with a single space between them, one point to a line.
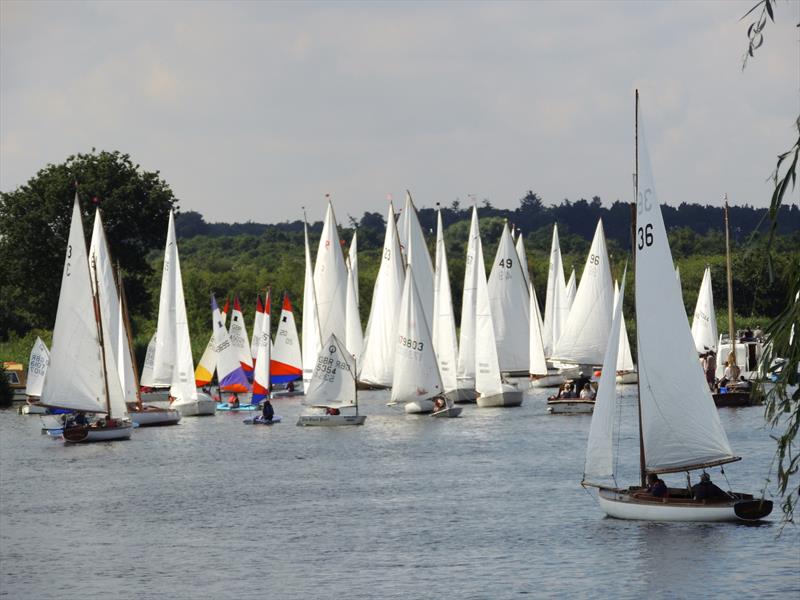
592 496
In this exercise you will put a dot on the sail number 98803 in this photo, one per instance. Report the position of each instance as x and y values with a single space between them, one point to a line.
409 343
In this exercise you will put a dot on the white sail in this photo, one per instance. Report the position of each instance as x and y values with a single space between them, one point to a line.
230 375
624 358
37 368
704 323
599 448
204 371
417 255
182 386
165 337
523 259
466 343
571 289
261 380
416 371
105 288
311 337
330 280
354 340
258 327
334 380
146 375
127 376
538 362
239 338
510 300
487 365
377 357
556 306
287 360
353 259
680 423
585 334
445 342
74 377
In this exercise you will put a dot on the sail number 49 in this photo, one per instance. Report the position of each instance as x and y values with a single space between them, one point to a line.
645 236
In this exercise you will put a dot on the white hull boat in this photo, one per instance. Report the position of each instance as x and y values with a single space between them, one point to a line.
83 434
323 420
204 406
510 396
627 378
153 416
155 395
570 406
418 407
552 379
626 504
33 409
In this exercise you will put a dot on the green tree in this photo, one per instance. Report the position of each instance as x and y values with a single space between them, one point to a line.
34 225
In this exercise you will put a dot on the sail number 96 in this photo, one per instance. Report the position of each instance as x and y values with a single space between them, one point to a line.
409 343
645 236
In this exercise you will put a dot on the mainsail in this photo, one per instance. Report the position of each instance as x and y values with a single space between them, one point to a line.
487 366
704 323
286 362
443 332
466 343
556 306
334 378
330 279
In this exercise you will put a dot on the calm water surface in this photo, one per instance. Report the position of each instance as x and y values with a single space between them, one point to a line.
485 506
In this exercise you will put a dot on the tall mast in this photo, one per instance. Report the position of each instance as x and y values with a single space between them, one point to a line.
126 321
96 302
642 470
731 330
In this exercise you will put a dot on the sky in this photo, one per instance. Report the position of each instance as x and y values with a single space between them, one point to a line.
250 110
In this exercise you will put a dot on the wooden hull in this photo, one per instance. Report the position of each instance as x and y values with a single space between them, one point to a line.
734 399
76 435
623 504
330 420
154 416
570 406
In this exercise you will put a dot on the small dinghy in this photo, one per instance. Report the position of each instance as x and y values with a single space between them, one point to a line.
561 405
260 420
448 412
227 406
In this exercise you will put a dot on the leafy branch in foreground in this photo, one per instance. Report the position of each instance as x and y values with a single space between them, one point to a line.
754 32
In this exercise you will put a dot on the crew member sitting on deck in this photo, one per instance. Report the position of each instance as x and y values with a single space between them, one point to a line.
586 392
705 490
233 401
267 411
290 386
655 486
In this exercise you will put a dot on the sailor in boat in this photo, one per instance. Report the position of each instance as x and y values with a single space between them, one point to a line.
710 368
267 411
233 401
656 486
706 490
290 386
332 411
438 404
731 373
587 393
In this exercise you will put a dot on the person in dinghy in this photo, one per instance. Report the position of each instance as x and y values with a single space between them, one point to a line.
267 411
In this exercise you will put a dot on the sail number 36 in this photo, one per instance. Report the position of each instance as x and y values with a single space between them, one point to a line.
645 236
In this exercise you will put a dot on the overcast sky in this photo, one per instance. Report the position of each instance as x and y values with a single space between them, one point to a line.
250 110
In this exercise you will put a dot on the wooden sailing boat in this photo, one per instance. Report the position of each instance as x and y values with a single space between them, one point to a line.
746 353
679 428
332 395
77 377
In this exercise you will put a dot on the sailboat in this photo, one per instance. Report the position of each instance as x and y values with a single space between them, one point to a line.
417 255
746 352
171 366
443 330
37 368
332 395
239 339
571 290
556 309
78 377
626 370
286 363
417 381
354 337
376 368
510 302
492 390
258 320
704 323
261 371
679 428
330 279
466 344
583 339
119 351
231 375
311 336
538 361
204 372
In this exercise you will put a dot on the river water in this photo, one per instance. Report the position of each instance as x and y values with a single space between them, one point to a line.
485 506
